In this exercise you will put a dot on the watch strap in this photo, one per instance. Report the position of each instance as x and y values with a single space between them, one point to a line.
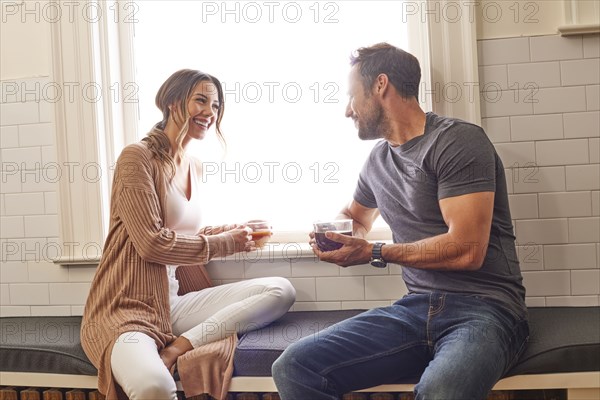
376 254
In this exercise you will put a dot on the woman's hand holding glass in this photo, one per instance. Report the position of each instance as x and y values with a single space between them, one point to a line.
261 231
235 240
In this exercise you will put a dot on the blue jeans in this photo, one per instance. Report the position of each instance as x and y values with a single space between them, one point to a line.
455 346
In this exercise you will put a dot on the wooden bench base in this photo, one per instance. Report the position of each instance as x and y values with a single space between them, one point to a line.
579 385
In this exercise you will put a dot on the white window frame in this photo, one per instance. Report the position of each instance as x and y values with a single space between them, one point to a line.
89 133
93 132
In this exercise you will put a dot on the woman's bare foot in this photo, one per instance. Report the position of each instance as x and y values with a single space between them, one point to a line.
173 350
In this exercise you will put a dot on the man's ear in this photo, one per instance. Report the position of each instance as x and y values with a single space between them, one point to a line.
381 84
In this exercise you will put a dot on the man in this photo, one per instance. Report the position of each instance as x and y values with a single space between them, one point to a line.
440 186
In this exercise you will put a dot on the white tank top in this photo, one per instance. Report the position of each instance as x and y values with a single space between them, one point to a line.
182 216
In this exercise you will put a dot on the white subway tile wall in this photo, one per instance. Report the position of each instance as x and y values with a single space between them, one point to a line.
584 230
4 294
497 129
568 204
596 203
341 288
582 125
535 301
510 186
535 179
14 272
591 46
28 294
592 97
500 103
364 270
572 301
504 51
523 206
15 311
562 152
547 283
536 127
50 203
29 206
585 282
45 271
595 150
45 311
540 107
582 177
580 72
259 269
553 48
539 74
531 256
557 99
68 293
493 77
306 288
542 231
520 153
384 287
80 274
570 256
77 310
556 203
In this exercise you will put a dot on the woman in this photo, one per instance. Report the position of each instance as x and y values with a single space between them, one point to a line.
135 323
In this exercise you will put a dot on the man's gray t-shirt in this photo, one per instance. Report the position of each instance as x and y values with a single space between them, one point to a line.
406 182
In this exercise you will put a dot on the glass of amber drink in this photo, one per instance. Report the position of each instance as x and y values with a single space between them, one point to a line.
261 231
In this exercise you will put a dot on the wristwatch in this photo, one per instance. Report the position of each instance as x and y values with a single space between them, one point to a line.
376 257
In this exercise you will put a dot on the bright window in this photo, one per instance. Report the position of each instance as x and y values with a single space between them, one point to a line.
292 157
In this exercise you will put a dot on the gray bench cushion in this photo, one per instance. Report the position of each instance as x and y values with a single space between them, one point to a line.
43 344
562 340
257 350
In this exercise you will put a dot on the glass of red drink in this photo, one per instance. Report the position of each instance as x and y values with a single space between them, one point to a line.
342 226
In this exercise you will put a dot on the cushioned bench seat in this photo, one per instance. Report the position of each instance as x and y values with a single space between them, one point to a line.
563 340
43 344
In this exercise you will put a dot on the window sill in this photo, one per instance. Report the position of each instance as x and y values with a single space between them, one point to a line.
272 251
282 246
293 245
578 29
77 261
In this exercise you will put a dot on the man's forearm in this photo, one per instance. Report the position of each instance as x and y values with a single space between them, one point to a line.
442 252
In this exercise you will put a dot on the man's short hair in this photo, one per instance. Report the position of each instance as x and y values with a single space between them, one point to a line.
402 68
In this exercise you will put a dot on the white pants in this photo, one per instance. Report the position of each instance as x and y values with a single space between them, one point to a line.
201 317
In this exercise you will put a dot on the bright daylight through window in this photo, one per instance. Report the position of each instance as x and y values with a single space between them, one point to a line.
291 156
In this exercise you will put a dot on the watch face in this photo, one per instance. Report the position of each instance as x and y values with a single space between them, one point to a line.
378 263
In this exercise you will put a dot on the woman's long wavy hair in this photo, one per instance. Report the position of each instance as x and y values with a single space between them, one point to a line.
176 91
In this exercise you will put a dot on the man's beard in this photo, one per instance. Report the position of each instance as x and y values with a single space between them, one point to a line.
374 125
